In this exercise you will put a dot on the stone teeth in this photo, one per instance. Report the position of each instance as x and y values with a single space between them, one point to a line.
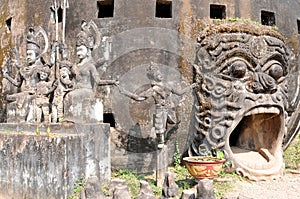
263 110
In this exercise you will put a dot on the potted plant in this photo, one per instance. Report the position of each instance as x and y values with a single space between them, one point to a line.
207 166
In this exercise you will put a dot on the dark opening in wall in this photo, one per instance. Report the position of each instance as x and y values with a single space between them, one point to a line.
109 118
163 9
268 18
217 11
8 24
105 8
298 25
60 14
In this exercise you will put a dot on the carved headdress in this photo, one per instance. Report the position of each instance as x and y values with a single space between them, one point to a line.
89 35
32 43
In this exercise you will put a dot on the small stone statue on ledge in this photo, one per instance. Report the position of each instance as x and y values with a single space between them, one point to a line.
42 100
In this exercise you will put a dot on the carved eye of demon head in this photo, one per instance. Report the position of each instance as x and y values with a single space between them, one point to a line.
242 98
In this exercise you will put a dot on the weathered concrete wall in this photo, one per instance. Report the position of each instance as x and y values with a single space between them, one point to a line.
46 166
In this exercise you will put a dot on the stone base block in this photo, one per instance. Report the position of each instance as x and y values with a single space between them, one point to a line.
47 165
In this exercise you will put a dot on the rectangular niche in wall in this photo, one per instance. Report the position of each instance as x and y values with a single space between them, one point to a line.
268 18
163 9
105 8
298 25
217 11
8 24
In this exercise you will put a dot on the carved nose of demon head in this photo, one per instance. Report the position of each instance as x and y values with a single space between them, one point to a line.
263 83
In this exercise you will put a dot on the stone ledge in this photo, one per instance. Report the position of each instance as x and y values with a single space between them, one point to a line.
46 166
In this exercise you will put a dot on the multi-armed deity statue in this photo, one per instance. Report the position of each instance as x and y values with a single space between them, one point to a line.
80 103
22 103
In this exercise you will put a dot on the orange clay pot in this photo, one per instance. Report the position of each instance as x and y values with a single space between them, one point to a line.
203 167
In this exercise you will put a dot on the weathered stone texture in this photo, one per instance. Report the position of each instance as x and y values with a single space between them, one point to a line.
41 166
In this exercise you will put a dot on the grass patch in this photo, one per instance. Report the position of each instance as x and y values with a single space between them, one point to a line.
79 185
182 178
292 154
227 181
132 180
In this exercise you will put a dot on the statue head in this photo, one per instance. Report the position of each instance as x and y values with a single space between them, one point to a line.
153 73
65 72
88 39
44 72
32 47
242 71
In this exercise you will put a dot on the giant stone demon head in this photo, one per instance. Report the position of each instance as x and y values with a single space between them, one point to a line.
243 97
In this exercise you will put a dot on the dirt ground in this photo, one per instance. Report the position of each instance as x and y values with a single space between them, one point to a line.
287 187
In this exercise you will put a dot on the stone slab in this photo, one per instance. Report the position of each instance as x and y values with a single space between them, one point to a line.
46 166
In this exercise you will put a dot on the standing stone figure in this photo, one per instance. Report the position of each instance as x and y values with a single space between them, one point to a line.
164 105
65 85
20 105
42 100
80 103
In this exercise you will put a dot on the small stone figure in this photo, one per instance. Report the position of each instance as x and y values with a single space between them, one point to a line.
93 189
42 92
205 189
170 188
145 191
164 106
65 85
86 78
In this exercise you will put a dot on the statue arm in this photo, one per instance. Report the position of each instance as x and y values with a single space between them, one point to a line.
99 81
16 82
183 91
106 82
53 87
131 95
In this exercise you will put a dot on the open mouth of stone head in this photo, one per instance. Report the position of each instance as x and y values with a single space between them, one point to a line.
255 143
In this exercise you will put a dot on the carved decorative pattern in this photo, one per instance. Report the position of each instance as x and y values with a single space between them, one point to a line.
236 72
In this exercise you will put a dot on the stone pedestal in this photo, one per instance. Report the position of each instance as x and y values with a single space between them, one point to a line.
47 166
205 189
161 165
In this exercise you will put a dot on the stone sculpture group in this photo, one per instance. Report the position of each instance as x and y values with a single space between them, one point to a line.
240 82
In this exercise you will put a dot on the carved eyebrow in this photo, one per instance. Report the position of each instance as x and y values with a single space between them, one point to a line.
276 57
236 54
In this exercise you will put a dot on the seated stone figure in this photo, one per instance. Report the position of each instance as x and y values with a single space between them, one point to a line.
20 104
80 104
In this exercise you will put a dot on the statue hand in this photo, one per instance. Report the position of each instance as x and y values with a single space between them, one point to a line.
55 44
193 85
121 89
55 83
140 98
5 73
